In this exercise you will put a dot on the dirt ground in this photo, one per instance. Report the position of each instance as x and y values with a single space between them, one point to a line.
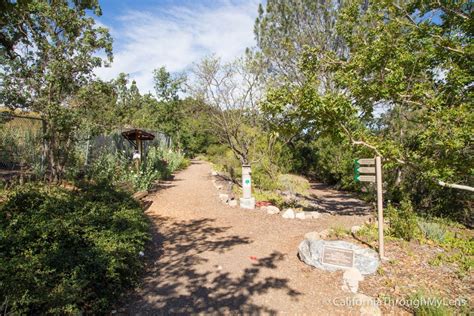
206 257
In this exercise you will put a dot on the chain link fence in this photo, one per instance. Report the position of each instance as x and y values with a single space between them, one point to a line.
22 141
21 145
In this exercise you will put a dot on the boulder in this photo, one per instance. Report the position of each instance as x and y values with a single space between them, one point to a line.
271 209
233 203
214 173
351 279
288 213
310 251
300 215
312 235
315 235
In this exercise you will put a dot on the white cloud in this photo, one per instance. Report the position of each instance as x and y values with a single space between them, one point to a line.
176 37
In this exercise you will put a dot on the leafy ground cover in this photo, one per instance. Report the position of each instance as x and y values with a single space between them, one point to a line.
68 251
435 265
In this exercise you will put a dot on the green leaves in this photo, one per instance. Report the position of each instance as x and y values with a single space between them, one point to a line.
401 87
69 251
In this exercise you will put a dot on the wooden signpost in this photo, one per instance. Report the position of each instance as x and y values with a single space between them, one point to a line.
369 173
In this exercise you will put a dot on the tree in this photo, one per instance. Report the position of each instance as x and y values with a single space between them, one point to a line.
170 114
284 29
409 62
233 91
49 50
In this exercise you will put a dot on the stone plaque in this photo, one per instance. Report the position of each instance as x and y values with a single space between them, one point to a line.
338 256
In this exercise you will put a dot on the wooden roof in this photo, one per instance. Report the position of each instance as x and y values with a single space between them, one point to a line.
134 134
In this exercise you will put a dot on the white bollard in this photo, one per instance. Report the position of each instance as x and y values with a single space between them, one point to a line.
247 201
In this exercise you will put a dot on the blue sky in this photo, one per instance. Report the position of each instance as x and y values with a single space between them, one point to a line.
152 33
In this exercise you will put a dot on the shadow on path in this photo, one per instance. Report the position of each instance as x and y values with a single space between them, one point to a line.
177 283
338 202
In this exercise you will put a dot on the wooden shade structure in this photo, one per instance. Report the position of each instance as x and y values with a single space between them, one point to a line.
136 138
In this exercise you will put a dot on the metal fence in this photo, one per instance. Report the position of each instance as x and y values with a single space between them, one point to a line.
22 139
21 143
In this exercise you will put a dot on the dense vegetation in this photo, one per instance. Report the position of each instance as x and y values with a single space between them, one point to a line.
69 251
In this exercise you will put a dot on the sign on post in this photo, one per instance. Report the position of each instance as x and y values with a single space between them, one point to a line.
362 174
374 175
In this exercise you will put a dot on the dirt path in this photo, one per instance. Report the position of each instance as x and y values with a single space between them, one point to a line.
209 258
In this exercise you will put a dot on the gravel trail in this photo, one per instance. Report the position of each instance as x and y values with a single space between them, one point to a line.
206 257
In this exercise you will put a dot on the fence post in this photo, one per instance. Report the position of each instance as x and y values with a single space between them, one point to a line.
378 173
44 149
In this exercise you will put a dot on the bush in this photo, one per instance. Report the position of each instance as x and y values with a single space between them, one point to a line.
65 252
428 306
158 164
294 184
432 231
403 222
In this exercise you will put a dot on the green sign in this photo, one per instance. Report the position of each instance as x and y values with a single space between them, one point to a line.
247 181
356 170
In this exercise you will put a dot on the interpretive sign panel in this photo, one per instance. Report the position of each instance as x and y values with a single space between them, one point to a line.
338 256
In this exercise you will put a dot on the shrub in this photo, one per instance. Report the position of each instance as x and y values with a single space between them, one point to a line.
403 222
272 197
294 184
158 164
432 231
66 252
423 305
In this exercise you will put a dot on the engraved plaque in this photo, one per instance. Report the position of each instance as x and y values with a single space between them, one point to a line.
338 256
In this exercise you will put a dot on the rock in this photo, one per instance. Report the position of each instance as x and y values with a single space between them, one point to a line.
224 197
351 279
299 215
214 173
315 235
288 213
312 235
355 229
140 195
271 209
368 305
233 203
313 215
310 251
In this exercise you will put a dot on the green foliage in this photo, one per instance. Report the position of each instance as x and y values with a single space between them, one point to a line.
433 231
60 47
339 232
270 196
459 250
67 252
403 221
424 305
296 185
158 164
399 86
369 232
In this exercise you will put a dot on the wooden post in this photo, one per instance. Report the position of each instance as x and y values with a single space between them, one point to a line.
378 173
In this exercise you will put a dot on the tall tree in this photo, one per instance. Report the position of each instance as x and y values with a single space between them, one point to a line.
284 29
170 114
233 90
49 50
